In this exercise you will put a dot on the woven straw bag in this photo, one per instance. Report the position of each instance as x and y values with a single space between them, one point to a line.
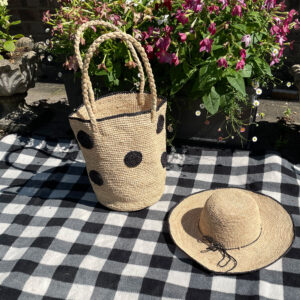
122 136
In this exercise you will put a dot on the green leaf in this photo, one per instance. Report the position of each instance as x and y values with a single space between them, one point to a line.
180 75
9 46
247 71
14 23
1 57
18 36
212 101
238 83
263 66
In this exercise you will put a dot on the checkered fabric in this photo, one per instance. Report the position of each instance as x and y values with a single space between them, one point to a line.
58 242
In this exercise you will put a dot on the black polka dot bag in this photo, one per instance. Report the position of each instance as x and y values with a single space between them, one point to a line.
122 136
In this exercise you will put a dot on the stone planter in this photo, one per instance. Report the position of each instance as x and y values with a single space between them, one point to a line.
196 130
17 75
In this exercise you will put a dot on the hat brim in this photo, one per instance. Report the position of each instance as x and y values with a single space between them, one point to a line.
275 240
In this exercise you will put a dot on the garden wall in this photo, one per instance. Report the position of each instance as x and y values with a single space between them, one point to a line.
31 13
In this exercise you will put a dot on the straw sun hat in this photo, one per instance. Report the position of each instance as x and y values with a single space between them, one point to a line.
231 230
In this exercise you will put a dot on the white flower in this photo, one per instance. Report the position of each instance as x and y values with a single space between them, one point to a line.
254 139
47 30
275 52
47 42
288 84
163 20
258 91
139 75
59 74
202 106
3 2
256 103
49 58
197 113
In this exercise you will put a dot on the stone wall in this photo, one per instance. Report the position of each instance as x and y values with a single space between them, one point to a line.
30 12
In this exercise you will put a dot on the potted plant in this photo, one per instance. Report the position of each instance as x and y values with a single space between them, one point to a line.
206 54
18 66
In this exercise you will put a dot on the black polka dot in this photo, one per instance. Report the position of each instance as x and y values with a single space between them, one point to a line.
163 159
160 124
85 140
96 177
133 159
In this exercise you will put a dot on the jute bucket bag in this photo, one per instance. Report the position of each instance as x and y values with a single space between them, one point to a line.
122 136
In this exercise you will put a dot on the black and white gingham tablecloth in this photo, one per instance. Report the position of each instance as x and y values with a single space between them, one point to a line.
58 242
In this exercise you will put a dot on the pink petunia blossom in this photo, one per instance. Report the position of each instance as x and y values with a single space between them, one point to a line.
163 43
181 17
282 6
213 8
222 62
237 11
164 57
291 15
280 39
241 64
175 59
269 4
281 52
243 53
212 28
275 29
182 37
71 63
292 45
225 3
247 40
205 45
46 16
275 60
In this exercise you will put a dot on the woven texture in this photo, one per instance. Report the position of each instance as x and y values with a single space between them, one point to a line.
236 223
122 136
58 242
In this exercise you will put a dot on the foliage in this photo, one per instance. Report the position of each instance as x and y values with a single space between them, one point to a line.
7 41
208 49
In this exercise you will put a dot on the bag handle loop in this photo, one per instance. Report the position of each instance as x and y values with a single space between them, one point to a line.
86 83
136 59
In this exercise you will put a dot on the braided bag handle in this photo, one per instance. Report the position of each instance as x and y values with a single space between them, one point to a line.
86 82
86 25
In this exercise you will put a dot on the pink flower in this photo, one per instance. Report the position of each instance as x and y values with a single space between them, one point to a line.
225 3
275 60
291 15
46 16
280 39
240 65
275 29
168 4
175 59
222 62
243 53
163 43
212 28
182 37
292 45
169 58
181 17
269 4
168 29
213 8
205 45
237 11
145 35
280 52
282 6
149 51
71 63
247 40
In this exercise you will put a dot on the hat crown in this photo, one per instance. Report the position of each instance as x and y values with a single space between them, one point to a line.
231 217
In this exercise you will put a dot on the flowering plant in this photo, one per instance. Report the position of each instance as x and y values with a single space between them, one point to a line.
208 49
7 41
